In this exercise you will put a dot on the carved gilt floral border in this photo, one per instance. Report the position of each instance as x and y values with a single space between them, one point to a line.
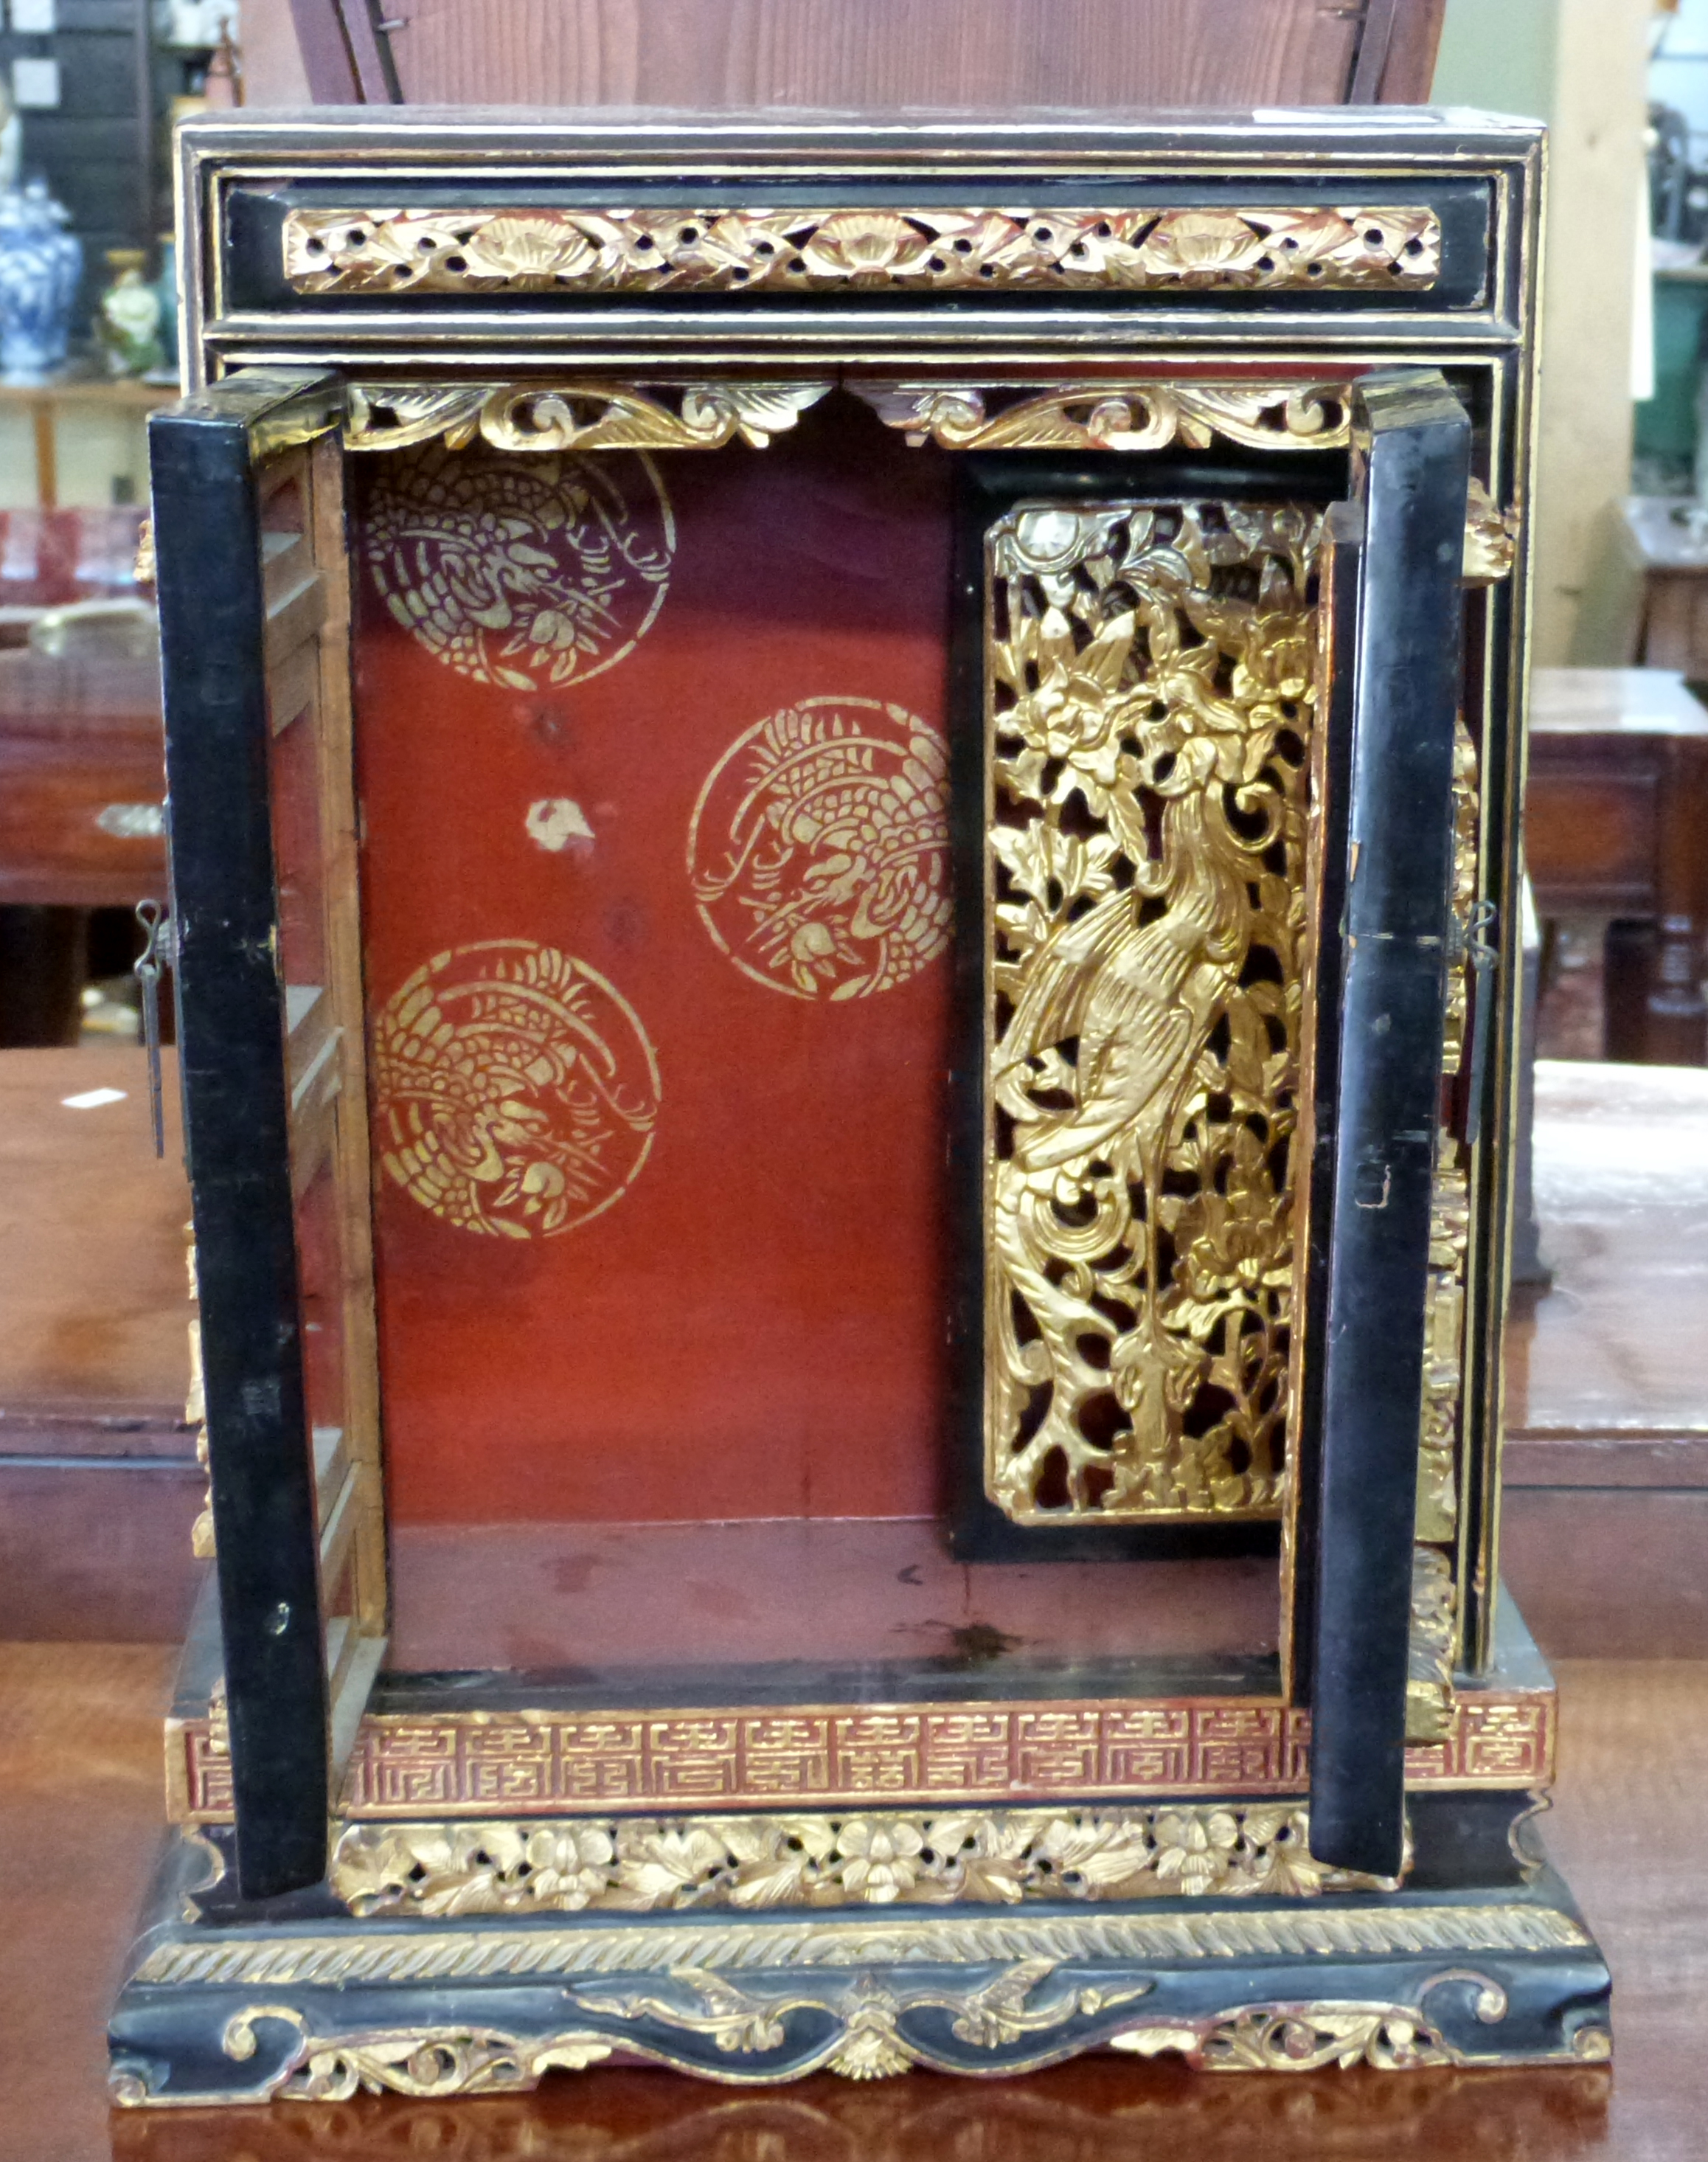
525 249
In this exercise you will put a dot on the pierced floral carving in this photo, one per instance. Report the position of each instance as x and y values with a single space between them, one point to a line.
1391 2038
525 574
425 2062
879 1859
1151 686
1491 538
730 250
515 1092
817 850
1435 1595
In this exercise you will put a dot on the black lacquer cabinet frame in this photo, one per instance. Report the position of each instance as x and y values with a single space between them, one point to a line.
1148 830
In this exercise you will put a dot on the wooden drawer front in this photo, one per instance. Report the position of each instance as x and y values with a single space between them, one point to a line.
1590 835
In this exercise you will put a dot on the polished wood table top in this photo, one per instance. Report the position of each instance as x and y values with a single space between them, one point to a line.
1635 1766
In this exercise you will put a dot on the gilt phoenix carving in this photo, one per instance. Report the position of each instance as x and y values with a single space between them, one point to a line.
1151 689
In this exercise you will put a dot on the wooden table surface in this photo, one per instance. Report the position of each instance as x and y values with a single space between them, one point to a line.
1635 1765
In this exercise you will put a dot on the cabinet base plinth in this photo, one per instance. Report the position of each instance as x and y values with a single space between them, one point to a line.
324 2005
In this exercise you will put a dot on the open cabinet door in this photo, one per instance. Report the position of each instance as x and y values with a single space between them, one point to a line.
254 613
1385 790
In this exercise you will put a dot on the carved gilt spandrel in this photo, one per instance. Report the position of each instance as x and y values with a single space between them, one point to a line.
1389 248
583 415
1148 413
1151 691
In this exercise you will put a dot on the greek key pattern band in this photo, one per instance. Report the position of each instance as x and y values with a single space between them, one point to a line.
543 1764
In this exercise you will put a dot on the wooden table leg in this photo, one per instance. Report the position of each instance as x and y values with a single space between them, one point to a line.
1676 1020
41 974
1627 976
47 454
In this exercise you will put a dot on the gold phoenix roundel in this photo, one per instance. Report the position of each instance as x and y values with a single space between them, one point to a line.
818 849
527 572
516 1092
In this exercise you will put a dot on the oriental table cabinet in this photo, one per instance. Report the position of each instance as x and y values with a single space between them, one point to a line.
843 806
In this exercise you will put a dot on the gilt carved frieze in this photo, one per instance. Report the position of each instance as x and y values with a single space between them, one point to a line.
732 249
1151 693
871 1858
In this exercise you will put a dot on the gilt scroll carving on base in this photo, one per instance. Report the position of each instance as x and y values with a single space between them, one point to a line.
1150 689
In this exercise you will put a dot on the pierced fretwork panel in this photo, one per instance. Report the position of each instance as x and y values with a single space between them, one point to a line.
1149 695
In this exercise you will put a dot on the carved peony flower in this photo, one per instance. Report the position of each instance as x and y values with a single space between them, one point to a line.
658 1866
1242 1240
865 244
1281 1836
1195 1847
1279 657
879 1857
1202 245
566 1866
530 249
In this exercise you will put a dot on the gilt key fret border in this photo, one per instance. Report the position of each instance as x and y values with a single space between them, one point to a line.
524 1764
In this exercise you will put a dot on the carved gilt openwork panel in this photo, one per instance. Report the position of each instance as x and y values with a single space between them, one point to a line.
1151 691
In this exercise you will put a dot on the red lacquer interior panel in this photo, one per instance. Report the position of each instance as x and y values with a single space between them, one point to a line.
657 992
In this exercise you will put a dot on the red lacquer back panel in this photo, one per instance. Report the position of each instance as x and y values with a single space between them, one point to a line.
656 905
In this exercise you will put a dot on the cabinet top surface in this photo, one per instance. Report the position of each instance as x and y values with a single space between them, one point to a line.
1330 134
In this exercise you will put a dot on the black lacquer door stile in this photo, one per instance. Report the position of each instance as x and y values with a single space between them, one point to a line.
237 1110
1395 557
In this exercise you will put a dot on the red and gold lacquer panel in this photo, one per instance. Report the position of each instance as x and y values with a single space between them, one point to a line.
655 905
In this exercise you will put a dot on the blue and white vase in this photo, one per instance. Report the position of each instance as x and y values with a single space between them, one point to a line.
41 265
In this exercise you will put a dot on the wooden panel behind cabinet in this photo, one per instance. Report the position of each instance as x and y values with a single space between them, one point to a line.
1095 55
